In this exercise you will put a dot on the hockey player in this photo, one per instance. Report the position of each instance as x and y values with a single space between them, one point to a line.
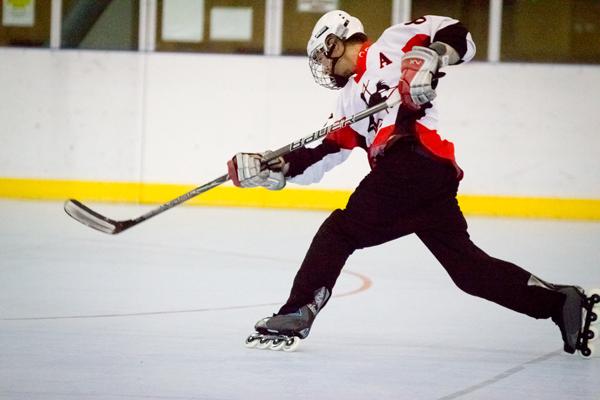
413 181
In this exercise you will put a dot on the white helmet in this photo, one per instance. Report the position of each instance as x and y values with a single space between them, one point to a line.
340 24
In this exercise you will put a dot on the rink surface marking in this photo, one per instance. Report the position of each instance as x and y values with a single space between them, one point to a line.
366 283
503 375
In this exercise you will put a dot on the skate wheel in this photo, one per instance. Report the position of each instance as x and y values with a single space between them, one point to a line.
251 341
594 295
277 344
592 334
588 352
291 344
263 343
593 317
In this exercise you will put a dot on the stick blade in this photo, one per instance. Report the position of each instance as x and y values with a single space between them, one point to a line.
91 218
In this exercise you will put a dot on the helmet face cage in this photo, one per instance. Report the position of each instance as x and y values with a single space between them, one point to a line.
322 62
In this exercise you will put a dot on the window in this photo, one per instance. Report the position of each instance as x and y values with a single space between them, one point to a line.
298 21
551 31
25 23
107 25
215 26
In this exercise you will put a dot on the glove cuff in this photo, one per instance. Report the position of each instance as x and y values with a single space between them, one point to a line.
447 54
232 172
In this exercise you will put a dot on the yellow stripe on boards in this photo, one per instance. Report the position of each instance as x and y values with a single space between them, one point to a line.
306 199
235 197
154 193
43 189
531 207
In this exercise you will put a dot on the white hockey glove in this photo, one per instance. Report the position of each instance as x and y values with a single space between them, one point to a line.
248 170
419 69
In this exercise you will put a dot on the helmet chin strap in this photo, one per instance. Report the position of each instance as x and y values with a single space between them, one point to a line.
340 81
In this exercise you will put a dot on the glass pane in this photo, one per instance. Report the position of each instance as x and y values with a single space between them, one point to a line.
376 16
106 25
215 26
474 14
551 30
27 25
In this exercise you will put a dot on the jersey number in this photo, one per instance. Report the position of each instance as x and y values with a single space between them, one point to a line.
417 21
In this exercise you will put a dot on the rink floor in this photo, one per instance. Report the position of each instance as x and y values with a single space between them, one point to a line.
162 311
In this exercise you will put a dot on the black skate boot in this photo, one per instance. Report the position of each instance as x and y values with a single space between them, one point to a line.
576 318
284 331
569 316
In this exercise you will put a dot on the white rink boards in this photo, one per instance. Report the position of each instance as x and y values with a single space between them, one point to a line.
162 311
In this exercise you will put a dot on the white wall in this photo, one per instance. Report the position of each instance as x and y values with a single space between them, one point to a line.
519 129
75 115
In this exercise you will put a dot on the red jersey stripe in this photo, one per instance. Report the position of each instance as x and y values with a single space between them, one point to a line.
418 40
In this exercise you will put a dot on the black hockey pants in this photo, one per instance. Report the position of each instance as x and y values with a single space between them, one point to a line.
410 191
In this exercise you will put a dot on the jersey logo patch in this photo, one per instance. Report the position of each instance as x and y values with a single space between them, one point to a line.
380 94
383 60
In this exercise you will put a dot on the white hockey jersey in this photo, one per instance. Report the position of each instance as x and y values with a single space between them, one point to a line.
377 74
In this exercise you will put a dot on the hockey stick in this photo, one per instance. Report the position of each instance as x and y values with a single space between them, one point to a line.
96 221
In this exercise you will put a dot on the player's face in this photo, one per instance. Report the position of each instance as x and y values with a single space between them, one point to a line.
343 67
328 63
328 56
336 49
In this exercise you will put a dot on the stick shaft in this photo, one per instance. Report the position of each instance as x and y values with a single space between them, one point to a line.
321 133
184 197
99 222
